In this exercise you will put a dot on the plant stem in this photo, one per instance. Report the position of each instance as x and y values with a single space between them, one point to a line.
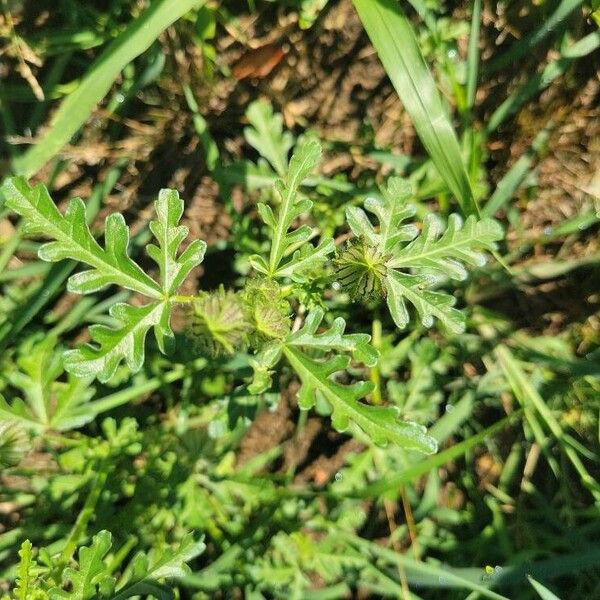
375 375
183 299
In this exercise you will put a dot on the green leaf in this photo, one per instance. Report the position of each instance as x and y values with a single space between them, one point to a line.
125 342
410 264
75 110
305 159
266 135
543 592
72 239
402 287
168 232
25 588
458 244
169 564
306 260
48 402
381 424
356 344
23 576
91 579
112 265
392 36
391 210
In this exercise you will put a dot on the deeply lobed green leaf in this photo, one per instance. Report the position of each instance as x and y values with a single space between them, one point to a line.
412 263
111 265
446 252
166 229
304 257
381 424
266 135
91 578
124 342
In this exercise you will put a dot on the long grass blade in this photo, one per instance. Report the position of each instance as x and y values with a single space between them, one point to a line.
437 460
521 48
423 573
508 185
473 54
530 398
77 107
543 592
395 42
541 81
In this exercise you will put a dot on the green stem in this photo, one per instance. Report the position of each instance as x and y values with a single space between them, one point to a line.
183 299
375 375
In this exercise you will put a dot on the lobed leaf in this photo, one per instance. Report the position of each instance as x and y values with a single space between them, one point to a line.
357 344
381 424
410 264
391 210
266 135
169 564
25 588
446 254
304 160
169 234
402 286
125 342
73 239
306 260
91 578
48 402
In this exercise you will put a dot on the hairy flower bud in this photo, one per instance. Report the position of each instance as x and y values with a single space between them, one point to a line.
219 324
361 270
268 311
13 443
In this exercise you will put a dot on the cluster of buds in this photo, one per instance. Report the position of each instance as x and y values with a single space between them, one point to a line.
223 322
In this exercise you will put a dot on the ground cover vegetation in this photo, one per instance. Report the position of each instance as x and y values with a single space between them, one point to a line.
299 299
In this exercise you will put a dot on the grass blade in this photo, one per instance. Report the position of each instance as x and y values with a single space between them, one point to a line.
437 460
395 42
541 81
524 46
509 184
473 54
423 574
543 592
529 398
77 107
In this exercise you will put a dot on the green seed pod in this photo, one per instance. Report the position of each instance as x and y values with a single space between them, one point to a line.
360 270
268 311
14 444
219 324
